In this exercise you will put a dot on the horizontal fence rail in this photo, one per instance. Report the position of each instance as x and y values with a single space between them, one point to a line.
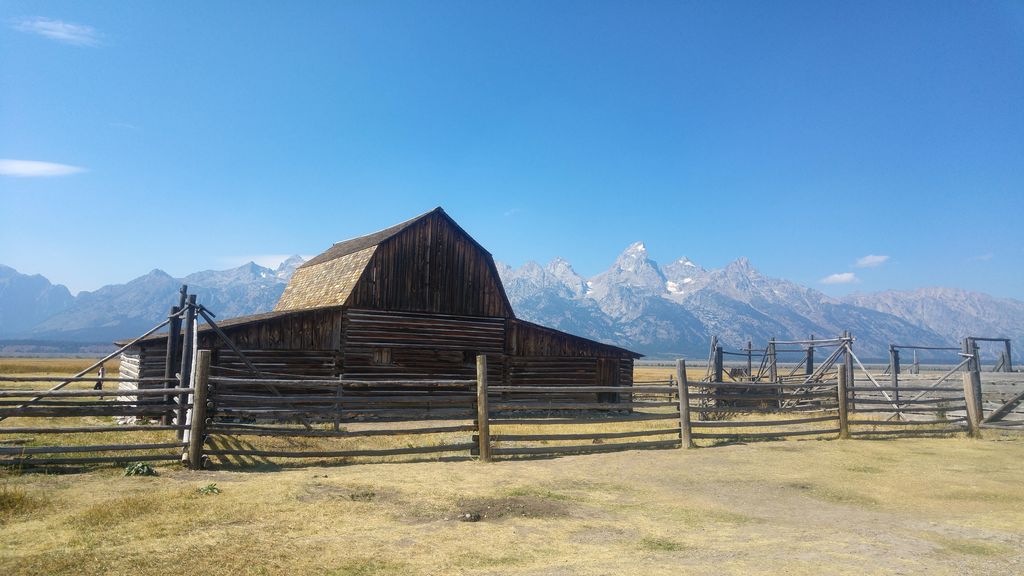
112 414
238 414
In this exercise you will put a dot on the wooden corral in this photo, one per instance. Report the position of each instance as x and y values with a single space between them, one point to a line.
419 300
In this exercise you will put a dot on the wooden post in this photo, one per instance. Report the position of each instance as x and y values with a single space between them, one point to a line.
750 360
684 404
844 414
173 333
851 381
719 364
483 423
976 376
971 397
894 374
1008 364
809 363
197 429
773 367
186 361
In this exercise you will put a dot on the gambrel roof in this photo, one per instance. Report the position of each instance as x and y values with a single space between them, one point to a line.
426 264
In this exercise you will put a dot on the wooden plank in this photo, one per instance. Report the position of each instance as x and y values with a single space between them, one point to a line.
759 423
79 449
563 421
234 430
575 389
768 434
339 453
31 462
581 436
907 422
90 393
674 443
86 429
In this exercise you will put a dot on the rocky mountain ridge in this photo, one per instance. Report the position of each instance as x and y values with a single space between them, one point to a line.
661 311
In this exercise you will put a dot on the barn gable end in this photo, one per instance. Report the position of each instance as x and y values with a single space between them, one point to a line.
427 264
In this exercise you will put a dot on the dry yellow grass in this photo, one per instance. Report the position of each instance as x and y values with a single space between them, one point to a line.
945 506
936 506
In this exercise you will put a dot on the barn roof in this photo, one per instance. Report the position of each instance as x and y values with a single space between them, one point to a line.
329 278
361 243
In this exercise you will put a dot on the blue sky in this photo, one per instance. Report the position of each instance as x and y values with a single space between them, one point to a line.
805 136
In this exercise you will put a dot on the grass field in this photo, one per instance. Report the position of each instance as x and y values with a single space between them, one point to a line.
908 506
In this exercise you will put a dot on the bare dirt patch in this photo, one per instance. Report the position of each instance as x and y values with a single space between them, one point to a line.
489 509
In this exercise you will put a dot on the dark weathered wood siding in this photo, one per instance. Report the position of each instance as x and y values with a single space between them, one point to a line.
432 266
420 346
315 329
528 339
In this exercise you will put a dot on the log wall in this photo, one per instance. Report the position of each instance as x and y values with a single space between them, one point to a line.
381 345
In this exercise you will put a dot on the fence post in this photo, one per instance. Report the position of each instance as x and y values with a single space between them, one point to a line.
684 404
197 429
894 374
809 363
483 424
970 396
844 414
174 331
750 360
773 367
186 360
1008 365
719 365
851 380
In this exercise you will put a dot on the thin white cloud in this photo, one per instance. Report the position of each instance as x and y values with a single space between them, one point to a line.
870 261
66 32
35 168
512 212
982 257
840 278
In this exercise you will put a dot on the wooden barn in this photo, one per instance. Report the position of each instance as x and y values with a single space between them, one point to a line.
418 300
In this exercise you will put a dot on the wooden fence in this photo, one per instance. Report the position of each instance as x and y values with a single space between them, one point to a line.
839 396
252 420
40 413
556 419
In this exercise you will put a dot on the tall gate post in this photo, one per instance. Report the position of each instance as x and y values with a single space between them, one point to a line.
719 370
894 374
173 333
684 404
971 396
844 414
809 361
773 366
186 360
197 429
851 381
483 424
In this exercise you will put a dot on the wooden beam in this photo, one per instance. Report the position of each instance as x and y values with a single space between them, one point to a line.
483 413
197 432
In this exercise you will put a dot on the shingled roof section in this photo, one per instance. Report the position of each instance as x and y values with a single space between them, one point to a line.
328 279
327 283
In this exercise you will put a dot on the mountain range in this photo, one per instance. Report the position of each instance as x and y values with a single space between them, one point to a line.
661 311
